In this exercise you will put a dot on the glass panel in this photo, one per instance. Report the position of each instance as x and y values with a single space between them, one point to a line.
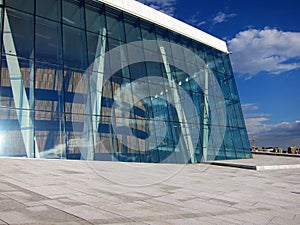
233 89
219 62
221 154
17 91
155 69
135 53
1 27
112 43
239 114
240 154
95 19
19 27
48 41
200 50
74 39
49 135
148 30
210 59
49 88
103 151
198 100
177 51
174 37
95 44
132 28
187 43
76 86
129 151
224 83
227 64
118 59
236 135
124 100
12 143
163 35
50 9
22 80
107 98
23 5
137 70
245 139
229 145
211 155
74 135
230 114
73 13
115 25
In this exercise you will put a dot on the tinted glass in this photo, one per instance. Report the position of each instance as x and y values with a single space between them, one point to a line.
50 9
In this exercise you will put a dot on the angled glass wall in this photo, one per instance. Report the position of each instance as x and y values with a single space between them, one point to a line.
82 80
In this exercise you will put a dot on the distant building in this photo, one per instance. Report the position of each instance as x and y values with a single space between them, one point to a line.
267 149
292 150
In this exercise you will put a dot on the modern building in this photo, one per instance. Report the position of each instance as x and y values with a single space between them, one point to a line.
114 80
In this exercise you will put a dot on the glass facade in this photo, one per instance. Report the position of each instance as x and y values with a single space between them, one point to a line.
83 80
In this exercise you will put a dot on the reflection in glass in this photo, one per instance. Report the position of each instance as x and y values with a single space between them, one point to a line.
115 25
19 27
23 5
73 40
49 135
95 19
50 9
73 13
48 41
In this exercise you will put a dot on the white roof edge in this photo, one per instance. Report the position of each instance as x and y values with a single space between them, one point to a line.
143 11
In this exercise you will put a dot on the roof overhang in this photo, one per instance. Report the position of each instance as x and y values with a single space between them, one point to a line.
143 11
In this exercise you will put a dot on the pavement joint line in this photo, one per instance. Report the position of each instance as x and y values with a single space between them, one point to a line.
235 165
4 222
68 213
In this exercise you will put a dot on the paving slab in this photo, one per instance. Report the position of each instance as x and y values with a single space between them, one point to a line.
35 191
262 162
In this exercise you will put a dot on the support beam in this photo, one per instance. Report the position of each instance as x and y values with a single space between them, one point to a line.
185 129
205 118
90 130
24 109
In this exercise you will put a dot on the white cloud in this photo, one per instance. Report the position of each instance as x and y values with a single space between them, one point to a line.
258 125
195 20
249 107
165 6
269 50
222 17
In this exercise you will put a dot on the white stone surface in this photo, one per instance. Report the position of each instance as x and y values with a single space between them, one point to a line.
263 162
154 16
34 191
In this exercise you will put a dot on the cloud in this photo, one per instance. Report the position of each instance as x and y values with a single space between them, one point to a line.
194 20
165 6
258 125
249 107
268 50
222 17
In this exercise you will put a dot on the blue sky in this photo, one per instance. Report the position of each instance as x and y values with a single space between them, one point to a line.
264 38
